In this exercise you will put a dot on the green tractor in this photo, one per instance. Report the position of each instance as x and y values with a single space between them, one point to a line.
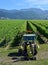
28 47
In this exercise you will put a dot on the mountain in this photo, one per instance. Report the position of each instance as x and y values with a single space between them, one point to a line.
31 13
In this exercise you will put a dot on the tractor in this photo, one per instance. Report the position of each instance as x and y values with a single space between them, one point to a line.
28 47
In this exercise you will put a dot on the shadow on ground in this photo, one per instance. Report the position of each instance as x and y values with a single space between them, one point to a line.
15 54
18 57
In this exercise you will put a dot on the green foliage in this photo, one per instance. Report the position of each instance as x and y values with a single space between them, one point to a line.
42 29
3 42
29 28
33 27
10 28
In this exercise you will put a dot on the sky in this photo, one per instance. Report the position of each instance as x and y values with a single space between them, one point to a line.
23 4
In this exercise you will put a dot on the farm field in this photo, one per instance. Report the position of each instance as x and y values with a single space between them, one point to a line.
11 32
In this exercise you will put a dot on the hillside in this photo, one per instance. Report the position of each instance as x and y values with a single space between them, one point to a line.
31 13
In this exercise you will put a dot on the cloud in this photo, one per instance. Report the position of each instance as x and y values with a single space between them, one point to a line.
38 6
40 2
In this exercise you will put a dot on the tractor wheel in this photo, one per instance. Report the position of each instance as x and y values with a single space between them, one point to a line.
20 51
34 58
26 58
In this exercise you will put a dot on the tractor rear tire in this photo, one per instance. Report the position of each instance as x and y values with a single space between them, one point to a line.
34 58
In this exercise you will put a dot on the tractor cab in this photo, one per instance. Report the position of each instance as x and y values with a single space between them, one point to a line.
29 38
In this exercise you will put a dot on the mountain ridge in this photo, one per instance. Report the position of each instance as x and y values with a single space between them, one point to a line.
31 13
